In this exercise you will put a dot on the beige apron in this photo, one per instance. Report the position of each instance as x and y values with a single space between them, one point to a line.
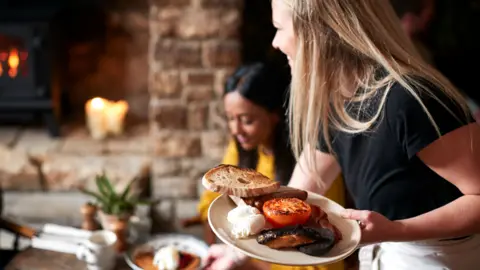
463 254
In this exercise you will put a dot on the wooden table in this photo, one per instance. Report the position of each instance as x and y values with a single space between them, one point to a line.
37 259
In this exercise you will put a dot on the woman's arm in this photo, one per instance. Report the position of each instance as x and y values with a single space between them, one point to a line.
455 157
319 180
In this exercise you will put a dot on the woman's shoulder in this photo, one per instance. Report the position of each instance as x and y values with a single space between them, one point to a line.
419 118
232 144
425 97
231 154
400 95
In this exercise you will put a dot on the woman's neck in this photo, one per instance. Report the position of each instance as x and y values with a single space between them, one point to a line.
266 151
267 148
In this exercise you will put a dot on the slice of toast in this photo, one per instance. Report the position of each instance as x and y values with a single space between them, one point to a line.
239 182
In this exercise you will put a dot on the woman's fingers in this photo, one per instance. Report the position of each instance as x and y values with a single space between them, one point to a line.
363 217
214 252
222 264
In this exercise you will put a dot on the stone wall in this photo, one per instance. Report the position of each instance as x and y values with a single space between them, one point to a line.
194 45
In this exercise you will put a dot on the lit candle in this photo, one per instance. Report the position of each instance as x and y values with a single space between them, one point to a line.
95 111
115 116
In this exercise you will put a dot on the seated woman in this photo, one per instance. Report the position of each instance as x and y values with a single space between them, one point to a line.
254 99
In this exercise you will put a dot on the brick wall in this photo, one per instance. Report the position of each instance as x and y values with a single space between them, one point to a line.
105 56
194 45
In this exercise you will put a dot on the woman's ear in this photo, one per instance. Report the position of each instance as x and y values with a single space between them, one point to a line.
274 118
410 24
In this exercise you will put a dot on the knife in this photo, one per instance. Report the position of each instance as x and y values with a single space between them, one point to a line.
15 228
237 200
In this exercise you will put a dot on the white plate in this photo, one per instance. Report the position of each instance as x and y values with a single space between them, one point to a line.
217 216
182 242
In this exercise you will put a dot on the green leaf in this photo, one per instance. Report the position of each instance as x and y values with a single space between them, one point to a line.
126 207
108 185
107 209
95 195
127 189
106 188
116 209
101 187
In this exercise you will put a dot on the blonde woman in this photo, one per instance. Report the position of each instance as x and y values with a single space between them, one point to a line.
364 103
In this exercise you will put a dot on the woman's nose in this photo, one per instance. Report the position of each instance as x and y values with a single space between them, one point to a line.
275 42
235 127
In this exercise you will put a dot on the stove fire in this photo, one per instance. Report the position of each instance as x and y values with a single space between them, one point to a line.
12 61
27 91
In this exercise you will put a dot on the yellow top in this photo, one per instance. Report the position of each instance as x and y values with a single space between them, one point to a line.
266 166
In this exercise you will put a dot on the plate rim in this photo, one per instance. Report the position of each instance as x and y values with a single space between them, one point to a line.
252 255
132 265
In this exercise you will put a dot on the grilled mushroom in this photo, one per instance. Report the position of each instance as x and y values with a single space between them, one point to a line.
320 247
298 237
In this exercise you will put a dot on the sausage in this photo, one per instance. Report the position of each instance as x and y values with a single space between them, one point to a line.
287 193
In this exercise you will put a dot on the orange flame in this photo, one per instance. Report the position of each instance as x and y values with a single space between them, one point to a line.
13 59
13 62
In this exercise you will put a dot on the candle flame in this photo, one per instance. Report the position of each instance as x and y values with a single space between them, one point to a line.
98 103
121 106
105 116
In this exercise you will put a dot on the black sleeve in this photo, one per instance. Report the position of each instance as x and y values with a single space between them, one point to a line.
410 123
322 145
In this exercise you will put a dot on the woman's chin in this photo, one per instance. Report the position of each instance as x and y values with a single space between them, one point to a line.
247 146
290 63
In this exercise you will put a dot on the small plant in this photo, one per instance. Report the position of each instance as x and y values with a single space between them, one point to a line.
109 201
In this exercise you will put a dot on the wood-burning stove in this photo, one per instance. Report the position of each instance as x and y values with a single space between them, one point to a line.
26 64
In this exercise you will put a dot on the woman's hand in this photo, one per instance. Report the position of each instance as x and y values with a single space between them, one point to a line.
375 227
223 257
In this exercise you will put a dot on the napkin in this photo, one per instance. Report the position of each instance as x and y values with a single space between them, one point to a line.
65 231
54 245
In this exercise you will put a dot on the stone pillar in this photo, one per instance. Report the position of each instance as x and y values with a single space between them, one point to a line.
194 45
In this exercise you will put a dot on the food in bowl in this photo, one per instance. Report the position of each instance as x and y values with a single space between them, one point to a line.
167 258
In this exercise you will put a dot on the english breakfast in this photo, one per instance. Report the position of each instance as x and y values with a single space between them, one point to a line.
278 216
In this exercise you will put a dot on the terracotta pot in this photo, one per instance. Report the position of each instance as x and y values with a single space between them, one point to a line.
108 221
120 228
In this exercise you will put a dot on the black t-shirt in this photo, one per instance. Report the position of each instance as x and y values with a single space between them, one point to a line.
380 167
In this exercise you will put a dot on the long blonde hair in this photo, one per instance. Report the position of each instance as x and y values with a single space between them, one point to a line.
341 44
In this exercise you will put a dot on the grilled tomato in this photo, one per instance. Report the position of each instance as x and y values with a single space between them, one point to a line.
282 212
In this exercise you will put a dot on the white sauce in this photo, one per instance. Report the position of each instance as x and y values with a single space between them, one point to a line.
167 258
